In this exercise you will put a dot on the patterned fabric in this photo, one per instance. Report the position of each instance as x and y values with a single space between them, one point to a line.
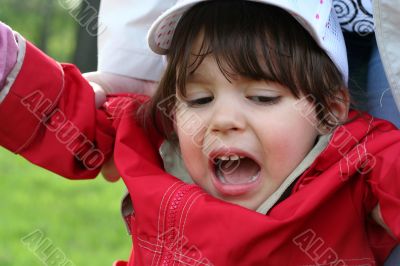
355 15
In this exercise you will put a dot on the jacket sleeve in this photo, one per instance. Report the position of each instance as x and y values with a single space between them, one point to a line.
383 171
49 117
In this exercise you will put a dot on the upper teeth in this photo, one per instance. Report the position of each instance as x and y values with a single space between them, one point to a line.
230 157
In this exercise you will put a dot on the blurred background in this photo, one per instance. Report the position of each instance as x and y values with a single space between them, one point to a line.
45 219
64 29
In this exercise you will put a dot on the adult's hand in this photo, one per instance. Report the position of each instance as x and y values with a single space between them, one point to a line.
104 83
107 83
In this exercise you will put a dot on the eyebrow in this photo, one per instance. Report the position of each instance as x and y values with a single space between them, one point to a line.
198 77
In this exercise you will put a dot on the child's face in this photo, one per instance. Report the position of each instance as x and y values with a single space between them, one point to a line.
256 122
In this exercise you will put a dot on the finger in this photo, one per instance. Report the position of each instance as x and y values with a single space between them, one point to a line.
110 171
100 94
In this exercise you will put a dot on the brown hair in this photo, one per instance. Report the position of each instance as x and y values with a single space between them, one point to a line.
252 40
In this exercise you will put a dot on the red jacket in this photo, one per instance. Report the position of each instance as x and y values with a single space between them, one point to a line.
50 114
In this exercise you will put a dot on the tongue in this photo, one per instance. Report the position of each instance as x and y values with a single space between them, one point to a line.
238 172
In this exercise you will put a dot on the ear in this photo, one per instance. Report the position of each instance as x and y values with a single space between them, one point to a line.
339 109
340 105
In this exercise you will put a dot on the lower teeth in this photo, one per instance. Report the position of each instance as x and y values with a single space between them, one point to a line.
223 180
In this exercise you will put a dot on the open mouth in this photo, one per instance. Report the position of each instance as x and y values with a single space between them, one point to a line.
235 174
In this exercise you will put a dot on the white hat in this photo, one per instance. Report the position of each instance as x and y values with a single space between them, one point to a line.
317 16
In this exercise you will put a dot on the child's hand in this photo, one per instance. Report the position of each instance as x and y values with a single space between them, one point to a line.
8 52
377 216
109 171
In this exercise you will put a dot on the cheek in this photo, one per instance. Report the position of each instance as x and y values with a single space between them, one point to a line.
195 162
189 125
190 134
287 142
305 110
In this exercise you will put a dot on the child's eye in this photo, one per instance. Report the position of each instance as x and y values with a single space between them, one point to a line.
200 101
264 99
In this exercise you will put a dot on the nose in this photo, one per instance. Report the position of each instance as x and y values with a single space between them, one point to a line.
227 116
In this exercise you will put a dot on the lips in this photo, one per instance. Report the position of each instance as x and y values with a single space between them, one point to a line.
234 172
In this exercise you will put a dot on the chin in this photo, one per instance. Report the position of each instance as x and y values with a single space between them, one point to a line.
245 203
248 205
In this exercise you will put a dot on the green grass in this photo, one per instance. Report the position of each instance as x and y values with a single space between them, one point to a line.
80 218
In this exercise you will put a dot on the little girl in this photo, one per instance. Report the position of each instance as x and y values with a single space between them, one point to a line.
254 94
